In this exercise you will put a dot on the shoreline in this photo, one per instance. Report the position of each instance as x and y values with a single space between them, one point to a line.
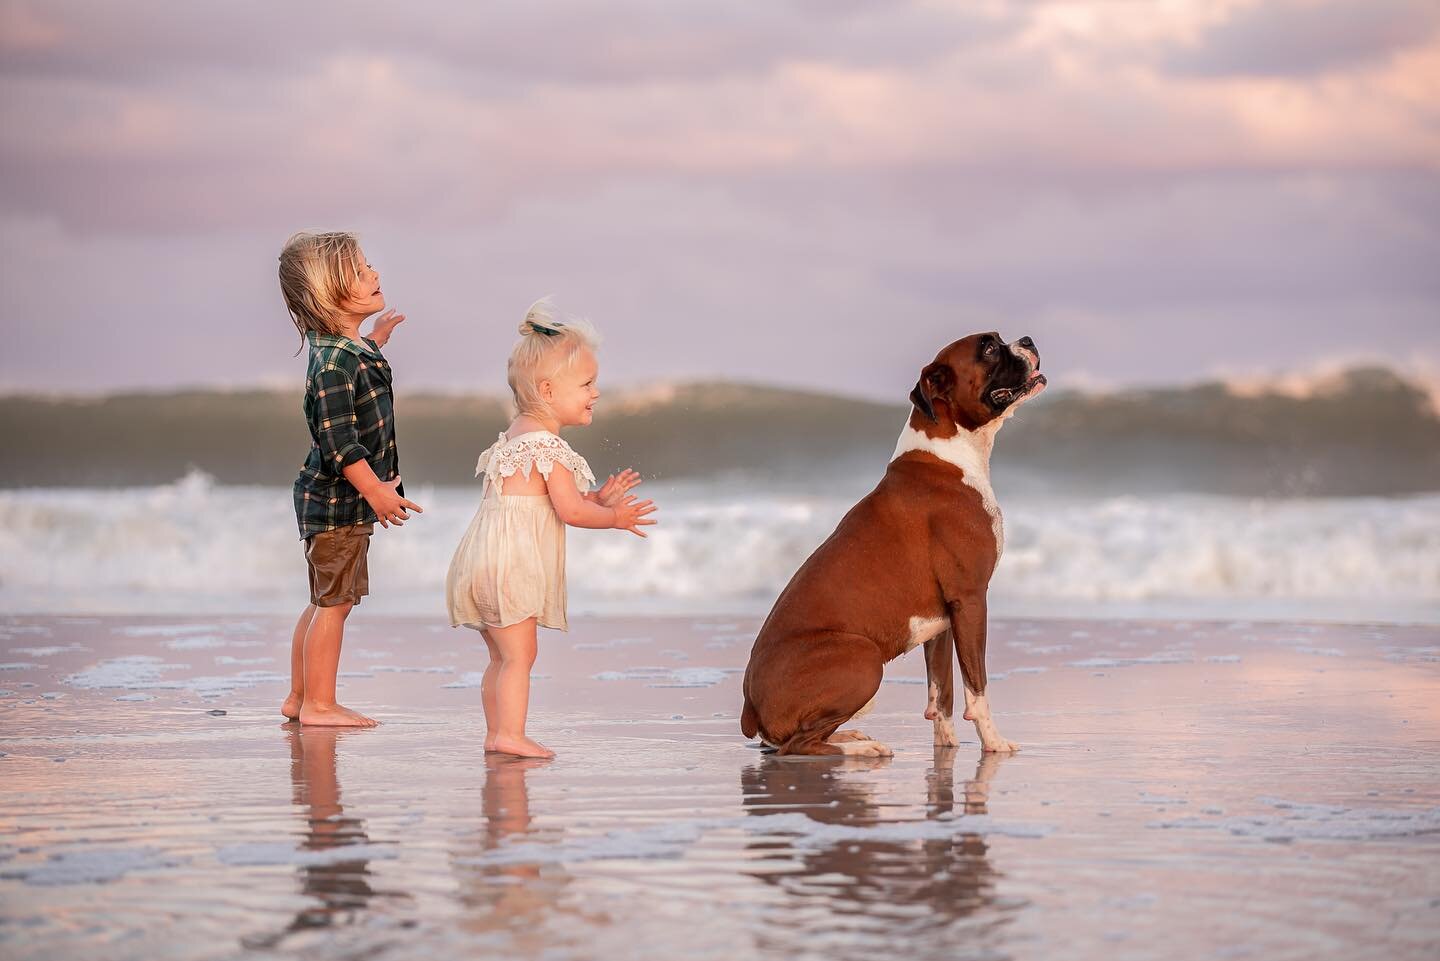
1214 784
1097 616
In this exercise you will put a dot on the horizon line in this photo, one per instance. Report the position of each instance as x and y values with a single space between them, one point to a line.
1301 382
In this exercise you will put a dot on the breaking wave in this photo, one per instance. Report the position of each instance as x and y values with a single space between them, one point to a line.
199 546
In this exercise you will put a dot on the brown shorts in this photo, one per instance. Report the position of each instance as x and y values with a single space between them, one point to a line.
336 559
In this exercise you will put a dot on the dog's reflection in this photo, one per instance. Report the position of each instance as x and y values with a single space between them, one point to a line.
910 885
510 896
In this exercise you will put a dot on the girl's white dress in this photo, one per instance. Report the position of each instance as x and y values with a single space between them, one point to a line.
510 564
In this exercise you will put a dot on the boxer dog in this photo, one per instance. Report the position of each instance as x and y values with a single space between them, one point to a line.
908 565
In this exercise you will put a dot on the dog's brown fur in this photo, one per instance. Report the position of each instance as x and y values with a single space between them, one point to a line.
920 545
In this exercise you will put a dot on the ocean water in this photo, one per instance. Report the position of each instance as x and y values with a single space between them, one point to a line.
1357 433
199 546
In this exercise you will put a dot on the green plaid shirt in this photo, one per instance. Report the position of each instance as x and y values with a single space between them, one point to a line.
351 412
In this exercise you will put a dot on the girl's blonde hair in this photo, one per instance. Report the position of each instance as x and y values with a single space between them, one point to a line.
550 340
316 271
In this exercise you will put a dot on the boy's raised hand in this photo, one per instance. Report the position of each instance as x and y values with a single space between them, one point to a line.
388 505
617 486
385 324
631 515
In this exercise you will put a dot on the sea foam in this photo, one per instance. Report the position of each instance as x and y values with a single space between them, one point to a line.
719 547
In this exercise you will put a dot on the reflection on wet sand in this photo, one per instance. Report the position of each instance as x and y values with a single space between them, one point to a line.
1263 791
336 892
514 898
873 888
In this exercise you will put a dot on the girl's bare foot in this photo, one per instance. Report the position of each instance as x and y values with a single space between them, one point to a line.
369 721
518 746
333 715
291 707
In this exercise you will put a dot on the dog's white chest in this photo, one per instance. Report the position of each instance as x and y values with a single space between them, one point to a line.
969 451
923 629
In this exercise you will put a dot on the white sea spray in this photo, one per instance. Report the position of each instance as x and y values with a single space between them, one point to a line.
731 548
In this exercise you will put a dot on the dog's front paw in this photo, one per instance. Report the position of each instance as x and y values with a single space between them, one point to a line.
945 735
1000 746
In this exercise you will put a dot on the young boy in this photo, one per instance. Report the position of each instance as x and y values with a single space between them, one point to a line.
352 476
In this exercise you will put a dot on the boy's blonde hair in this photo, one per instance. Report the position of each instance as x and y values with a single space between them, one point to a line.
316 271
550 340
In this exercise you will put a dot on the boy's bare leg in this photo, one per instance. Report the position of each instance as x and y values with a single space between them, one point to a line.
516 645
291 707
487 690
322 661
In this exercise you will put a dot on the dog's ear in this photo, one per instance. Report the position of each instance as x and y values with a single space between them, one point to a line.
935 381
921 402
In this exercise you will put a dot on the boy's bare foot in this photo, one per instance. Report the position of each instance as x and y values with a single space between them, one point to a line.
334 716
518 746
291 707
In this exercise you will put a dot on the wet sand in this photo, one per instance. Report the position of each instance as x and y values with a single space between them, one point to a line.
1186 790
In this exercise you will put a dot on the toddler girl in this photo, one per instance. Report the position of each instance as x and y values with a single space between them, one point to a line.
508 574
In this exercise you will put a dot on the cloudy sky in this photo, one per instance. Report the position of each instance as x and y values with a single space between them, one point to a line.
814 192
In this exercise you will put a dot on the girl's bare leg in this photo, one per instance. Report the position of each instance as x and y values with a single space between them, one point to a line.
487 690
516 645
291 707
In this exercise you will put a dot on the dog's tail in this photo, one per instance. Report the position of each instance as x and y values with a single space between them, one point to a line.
749 723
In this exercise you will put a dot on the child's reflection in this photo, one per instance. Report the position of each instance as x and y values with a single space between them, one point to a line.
508 896
871 884
341 887
338 888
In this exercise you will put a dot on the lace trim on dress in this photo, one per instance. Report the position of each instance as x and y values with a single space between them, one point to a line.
538 449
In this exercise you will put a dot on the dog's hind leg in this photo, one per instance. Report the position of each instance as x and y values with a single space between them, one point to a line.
820 737
854 735
842 676
840 737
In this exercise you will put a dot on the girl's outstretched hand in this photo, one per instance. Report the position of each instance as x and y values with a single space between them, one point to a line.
631 515
617 486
